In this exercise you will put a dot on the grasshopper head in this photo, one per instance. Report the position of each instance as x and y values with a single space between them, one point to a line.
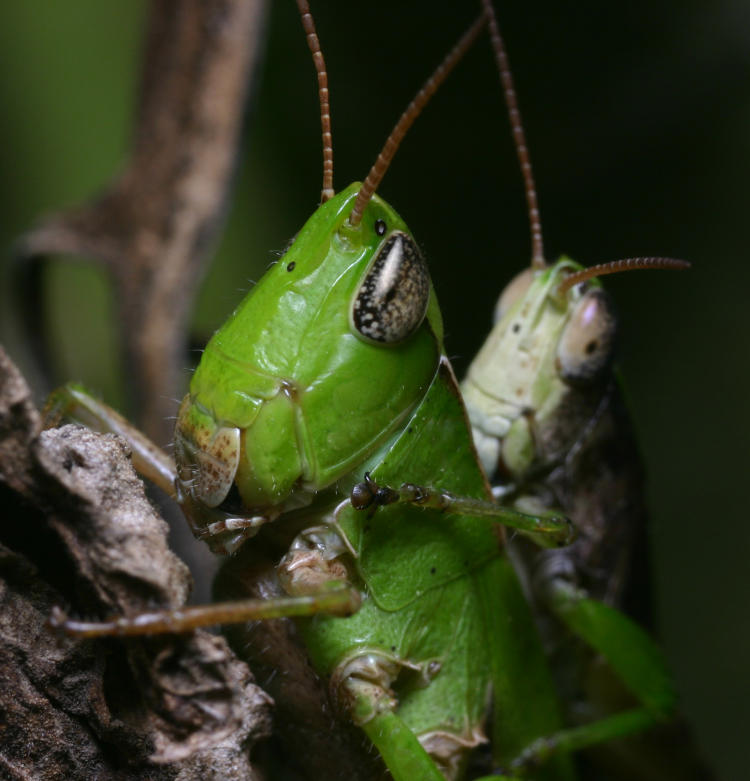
542 370
316 368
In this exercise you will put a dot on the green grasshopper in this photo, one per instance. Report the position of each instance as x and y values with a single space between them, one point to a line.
320 377
327 385
552 431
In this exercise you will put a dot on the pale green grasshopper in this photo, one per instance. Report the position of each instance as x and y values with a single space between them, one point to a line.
327 384
552 432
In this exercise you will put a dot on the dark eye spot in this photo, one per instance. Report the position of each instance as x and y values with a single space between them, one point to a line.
516 327
591 347
291 266
391 301
380 227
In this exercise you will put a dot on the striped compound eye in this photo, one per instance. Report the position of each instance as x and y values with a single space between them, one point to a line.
587 342
392 300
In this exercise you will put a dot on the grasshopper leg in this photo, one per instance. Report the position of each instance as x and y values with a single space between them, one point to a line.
74 402
572 740
361 685
398 745
335 598
224 532
628 649
549 529
632 655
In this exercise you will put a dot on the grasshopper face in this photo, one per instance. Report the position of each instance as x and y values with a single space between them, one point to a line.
316 367
537 376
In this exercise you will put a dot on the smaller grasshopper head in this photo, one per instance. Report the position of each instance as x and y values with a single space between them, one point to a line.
542 369
583 325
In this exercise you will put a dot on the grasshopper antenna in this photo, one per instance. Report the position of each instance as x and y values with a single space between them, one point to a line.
519 137
614 267
412 111
323 96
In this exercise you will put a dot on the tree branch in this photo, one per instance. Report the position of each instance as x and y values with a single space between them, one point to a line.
153 227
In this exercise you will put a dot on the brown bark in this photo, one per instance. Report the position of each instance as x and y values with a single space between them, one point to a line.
153 226
77 530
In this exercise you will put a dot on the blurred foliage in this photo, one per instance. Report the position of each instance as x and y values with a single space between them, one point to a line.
638 122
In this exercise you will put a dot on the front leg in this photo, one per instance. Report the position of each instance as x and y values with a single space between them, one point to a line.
549 530
361 685
220 527
73 402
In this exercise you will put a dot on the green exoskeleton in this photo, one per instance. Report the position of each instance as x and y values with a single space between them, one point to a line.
325 391
552 431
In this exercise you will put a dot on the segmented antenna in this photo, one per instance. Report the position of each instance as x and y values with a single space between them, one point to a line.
325 107
519 137
413 110
629 264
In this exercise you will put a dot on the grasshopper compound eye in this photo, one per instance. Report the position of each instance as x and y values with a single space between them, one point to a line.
587 342
391 301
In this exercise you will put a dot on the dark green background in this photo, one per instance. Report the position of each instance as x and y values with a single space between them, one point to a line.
638 120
